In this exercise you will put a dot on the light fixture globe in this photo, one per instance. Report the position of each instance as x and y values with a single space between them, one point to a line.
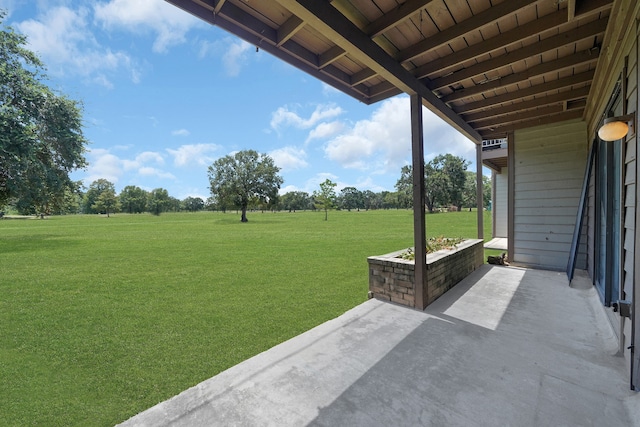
613 130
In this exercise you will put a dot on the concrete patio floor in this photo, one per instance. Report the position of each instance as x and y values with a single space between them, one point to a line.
506 347
497 243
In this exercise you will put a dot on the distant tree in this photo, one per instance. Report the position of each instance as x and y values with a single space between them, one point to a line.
351 198
404 187
469 196
295 201
487 190
158 201
96 188
454 168
41 139
107 202
243 178
371 200
326 197
211 204
173 205
389 199
444 182
72 202
133 199
193 204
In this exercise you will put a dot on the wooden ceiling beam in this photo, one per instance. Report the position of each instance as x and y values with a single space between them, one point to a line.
288 29
362 76
394 17
517 116
326 19
218 5
561 64
501 41
331 55
490 15
588 30
555 118
584 7
565 96
540 89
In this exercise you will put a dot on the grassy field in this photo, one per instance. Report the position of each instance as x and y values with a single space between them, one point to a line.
102 318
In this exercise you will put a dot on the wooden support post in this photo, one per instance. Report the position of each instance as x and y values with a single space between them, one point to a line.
479 191
419 223
511 196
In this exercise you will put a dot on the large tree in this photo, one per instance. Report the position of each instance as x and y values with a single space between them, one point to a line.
351 198
41 139
243 178
133 199
159 201
107 202
96 188
444 181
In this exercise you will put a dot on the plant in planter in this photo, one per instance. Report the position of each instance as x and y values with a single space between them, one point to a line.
434 244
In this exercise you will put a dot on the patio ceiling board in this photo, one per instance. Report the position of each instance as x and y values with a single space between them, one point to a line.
486 67
569 65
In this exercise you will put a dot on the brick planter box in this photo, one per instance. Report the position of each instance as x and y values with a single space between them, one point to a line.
392 278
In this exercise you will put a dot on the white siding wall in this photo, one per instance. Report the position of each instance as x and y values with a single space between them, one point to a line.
500 203
549 167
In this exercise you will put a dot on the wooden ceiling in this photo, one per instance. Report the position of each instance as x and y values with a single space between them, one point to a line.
487 67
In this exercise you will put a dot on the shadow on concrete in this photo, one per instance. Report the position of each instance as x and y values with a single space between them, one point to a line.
543 362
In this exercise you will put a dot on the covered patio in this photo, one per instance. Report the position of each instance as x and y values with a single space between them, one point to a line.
507 346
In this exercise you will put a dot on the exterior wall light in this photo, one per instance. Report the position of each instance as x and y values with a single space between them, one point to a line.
615 128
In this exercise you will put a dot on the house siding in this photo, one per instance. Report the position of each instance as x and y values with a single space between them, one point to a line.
500 204
550 162
629 198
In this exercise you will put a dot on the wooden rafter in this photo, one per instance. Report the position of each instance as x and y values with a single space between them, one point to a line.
558 65
395 17
540 89
501 10
546 45
565 96
501 41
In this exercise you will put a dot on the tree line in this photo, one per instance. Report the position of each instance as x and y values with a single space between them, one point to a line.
41 143
249 181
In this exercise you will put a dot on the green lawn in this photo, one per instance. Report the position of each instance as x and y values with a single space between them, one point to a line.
102 318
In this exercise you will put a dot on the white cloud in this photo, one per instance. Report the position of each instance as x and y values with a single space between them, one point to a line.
236 57
283 116
63 39
149 171
181 132
383 142
200 154
288 189
326 130
103 164
289 158
168 23
141 159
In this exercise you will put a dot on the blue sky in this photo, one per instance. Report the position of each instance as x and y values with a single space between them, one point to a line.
166 94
